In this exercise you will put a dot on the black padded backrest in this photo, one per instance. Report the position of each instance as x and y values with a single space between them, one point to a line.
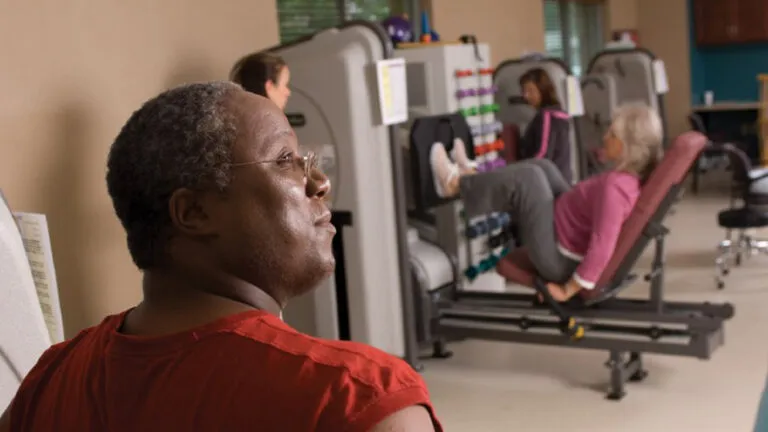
739 161
425 132
697 123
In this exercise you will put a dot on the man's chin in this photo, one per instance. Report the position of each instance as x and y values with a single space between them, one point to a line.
329 264
316 272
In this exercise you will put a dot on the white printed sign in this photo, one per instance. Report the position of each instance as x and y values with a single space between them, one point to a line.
393 91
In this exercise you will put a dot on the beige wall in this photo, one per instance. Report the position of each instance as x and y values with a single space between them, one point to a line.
663 28
72 72
510 27
621 14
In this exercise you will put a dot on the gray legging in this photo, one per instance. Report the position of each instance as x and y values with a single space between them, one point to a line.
527 191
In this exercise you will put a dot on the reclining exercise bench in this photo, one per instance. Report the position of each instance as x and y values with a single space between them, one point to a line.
596 319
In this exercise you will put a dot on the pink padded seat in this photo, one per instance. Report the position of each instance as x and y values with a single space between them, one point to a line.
516 266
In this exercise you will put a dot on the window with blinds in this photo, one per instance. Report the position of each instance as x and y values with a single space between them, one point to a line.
553 29
573 31
298 18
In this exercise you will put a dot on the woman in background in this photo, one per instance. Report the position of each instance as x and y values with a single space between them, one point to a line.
548 135
265 74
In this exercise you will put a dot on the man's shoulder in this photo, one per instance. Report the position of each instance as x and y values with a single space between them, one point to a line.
88 336
350 383
331 360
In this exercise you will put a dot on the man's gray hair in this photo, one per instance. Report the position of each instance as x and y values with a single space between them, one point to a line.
640 128
183 138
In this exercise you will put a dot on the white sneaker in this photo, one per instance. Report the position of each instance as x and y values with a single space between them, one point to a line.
443 170
459 154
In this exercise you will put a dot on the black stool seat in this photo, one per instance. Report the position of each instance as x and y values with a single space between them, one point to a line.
742 218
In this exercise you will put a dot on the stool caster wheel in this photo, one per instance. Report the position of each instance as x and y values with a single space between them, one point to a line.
615 396
639 376
726 272
720 284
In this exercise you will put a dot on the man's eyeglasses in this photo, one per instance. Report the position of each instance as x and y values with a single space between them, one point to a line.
305 163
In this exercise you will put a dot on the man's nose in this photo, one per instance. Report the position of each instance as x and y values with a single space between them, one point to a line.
318 184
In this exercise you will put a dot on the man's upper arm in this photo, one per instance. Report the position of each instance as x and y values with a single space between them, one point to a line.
5 420
414 418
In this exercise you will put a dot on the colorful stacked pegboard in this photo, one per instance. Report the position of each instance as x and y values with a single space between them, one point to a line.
476 102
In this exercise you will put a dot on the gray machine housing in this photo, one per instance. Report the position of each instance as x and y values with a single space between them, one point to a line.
616 77
600 97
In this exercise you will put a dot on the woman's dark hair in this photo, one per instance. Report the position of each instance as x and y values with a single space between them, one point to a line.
543 82
253 72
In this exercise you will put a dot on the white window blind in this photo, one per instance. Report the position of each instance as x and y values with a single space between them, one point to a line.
573 31
553 29
298 18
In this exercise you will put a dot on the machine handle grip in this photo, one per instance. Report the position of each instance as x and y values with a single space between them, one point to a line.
620 68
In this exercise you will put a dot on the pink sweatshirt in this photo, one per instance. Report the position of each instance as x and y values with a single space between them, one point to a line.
588 220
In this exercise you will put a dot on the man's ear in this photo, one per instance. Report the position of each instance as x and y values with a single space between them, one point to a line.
191 212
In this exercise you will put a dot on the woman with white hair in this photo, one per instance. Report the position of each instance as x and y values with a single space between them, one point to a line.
570 232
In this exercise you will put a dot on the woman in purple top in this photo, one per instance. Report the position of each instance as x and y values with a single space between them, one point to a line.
548 135
570 232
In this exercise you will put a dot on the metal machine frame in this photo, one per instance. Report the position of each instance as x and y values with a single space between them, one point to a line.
673 328
620 326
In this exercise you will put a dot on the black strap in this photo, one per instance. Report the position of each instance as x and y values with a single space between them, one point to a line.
443 121
467 39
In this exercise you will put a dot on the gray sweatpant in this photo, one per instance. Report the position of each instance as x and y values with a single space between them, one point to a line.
527 191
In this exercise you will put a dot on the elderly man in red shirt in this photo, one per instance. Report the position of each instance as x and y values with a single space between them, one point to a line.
228 222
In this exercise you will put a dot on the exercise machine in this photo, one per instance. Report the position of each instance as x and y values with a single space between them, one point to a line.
515 111
598 319
451 101
456 79
333 82
638 76
600 101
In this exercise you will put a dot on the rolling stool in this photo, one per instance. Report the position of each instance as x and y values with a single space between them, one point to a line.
749 185
741 220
